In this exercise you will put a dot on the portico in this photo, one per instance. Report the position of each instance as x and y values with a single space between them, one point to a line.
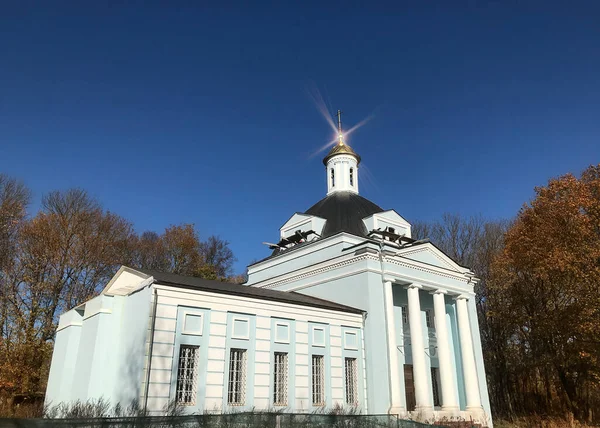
428 347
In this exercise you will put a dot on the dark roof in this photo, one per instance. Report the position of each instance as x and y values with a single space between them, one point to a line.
344 212
341 149
245 290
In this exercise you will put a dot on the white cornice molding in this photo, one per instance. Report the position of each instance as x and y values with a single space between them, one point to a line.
350 259
69 324
319 245
437 253
312 271
97 312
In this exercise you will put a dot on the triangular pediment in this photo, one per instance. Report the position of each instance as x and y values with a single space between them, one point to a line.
388 220
125 281
429 254
303 223
295 219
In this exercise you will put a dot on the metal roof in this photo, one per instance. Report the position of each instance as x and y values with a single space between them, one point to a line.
245 290
344 212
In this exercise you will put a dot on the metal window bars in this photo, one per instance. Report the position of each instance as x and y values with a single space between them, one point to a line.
280 379
187 375
350 366
236 393
318 380
435 386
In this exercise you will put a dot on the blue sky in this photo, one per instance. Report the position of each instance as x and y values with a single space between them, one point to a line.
203 114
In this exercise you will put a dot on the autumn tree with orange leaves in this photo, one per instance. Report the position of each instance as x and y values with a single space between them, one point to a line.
544 296
63 256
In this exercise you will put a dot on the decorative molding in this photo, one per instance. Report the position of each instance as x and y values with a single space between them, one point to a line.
318 271
70 324
99 311
451 266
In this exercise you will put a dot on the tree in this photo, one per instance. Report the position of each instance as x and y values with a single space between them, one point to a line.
217 253
179 250
14 199
62 257
544 291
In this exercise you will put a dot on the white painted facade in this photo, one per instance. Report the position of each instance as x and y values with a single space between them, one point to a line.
410 325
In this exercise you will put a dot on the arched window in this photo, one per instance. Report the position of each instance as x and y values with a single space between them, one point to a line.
351 176
332 178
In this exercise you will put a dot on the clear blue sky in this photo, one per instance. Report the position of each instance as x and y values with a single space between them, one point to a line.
201 114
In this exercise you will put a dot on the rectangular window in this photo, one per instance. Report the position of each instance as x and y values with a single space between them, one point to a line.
409 387
404 314
350 340
435 386
318 380
236 393
280 379
318 336
429 318
187 375
351 381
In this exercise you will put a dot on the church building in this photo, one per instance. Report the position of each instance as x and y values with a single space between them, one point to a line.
348 311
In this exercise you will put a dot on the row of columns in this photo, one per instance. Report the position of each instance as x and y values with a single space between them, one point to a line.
423 397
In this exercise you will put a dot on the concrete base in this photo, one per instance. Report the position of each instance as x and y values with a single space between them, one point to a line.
477 415
447 412
422 414
398 411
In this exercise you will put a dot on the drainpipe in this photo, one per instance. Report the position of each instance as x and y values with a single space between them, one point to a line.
149 361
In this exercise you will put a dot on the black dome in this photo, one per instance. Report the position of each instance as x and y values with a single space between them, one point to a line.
344 212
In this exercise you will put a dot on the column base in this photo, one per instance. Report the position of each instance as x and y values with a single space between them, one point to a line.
449 411
422 414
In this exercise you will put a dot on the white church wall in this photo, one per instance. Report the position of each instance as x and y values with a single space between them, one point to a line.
354 279
64 357
132 336
260 344
364 291
300 258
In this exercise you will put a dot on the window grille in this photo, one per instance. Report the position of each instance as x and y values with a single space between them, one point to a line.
435 386
351 381
405 314
280 379
409 388
332 178
187 375
429 318
236 393
351 176
318 381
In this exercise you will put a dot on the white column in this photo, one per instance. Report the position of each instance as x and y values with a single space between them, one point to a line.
449 398
423 397
396 407
468 357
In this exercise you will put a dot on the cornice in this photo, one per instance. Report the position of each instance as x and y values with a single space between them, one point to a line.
332 265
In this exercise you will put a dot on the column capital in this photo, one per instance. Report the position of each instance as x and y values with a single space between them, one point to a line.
438 291
413 285
462 297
